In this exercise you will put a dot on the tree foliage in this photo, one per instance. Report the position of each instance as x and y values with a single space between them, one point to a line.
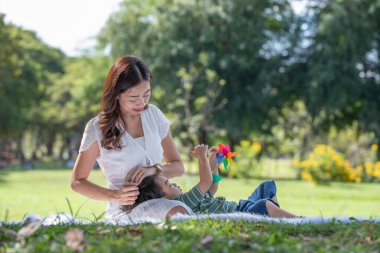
222 70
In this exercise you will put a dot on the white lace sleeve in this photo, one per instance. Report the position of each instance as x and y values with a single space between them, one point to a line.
162 122
88 136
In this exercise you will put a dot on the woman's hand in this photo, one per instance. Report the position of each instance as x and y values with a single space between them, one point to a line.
199 151
137 175
126 195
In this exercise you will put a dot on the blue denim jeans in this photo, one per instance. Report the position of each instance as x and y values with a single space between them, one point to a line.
256 203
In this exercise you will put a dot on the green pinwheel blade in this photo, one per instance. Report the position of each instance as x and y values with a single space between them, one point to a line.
225 163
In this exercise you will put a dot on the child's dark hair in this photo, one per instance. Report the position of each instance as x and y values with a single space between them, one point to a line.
148 189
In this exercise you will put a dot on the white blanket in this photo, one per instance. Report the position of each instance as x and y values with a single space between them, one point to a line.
62 218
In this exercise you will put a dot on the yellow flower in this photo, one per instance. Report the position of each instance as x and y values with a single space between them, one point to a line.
306 176
297 163
244 143
374 147
256 146
368 166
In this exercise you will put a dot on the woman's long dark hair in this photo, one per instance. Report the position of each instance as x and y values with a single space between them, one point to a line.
148 189
126 73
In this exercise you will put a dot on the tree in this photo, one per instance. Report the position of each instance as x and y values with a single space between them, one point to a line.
246 43
338 75
26 68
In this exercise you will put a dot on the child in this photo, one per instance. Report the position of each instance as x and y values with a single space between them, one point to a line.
201 197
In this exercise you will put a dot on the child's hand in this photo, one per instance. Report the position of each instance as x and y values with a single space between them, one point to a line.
199 151
212 158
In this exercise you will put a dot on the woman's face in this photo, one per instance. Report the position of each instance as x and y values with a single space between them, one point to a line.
133 101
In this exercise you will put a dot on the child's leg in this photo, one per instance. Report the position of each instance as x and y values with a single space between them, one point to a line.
275 211
266 190
274 198
265 207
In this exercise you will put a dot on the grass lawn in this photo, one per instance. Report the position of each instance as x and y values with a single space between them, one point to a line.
197 236
45 191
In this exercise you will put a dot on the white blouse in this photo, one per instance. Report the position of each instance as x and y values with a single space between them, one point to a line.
135 152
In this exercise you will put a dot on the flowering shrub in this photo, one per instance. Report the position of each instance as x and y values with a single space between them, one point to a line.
325 165
369 172
374 148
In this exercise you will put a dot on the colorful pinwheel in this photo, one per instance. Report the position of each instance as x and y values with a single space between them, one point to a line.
224 155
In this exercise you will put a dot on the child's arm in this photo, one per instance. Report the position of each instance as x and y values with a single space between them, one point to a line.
214 169
205 176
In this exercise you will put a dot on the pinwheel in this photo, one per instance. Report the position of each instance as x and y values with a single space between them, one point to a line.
224 155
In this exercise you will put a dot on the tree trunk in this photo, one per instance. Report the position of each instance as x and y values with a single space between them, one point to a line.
19 151
62 150
202 137
232 143
302 152
50 145
70 152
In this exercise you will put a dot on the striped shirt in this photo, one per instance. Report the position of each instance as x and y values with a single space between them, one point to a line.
205 202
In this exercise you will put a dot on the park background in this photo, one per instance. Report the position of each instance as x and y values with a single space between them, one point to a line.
295 94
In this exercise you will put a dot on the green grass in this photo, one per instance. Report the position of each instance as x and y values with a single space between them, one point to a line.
45 191
203 236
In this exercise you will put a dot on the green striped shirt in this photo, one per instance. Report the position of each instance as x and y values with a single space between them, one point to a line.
205 202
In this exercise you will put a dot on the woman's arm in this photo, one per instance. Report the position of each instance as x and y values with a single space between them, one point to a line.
80 183
174 166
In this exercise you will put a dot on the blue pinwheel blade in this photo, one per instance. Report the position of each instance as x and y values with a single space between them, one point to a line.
219 157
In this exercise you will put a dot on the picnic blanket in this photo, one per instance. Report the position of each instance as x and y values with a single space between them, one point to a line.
64 218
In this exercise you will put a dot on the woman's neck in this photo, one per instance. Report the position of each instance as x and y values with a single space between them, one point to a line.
127 117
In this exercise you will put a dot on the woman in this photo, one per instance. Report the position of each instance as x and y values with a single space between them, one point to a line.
128 139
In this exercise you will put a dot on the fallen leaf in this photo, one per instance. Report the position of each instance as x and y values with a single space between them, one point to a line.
245 237
206 241
75 239
134 231
307 239
28 230
119 230
103 232
259 225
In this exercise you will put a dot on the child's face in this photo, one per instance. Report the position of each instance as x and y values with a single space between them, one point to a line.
170 189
